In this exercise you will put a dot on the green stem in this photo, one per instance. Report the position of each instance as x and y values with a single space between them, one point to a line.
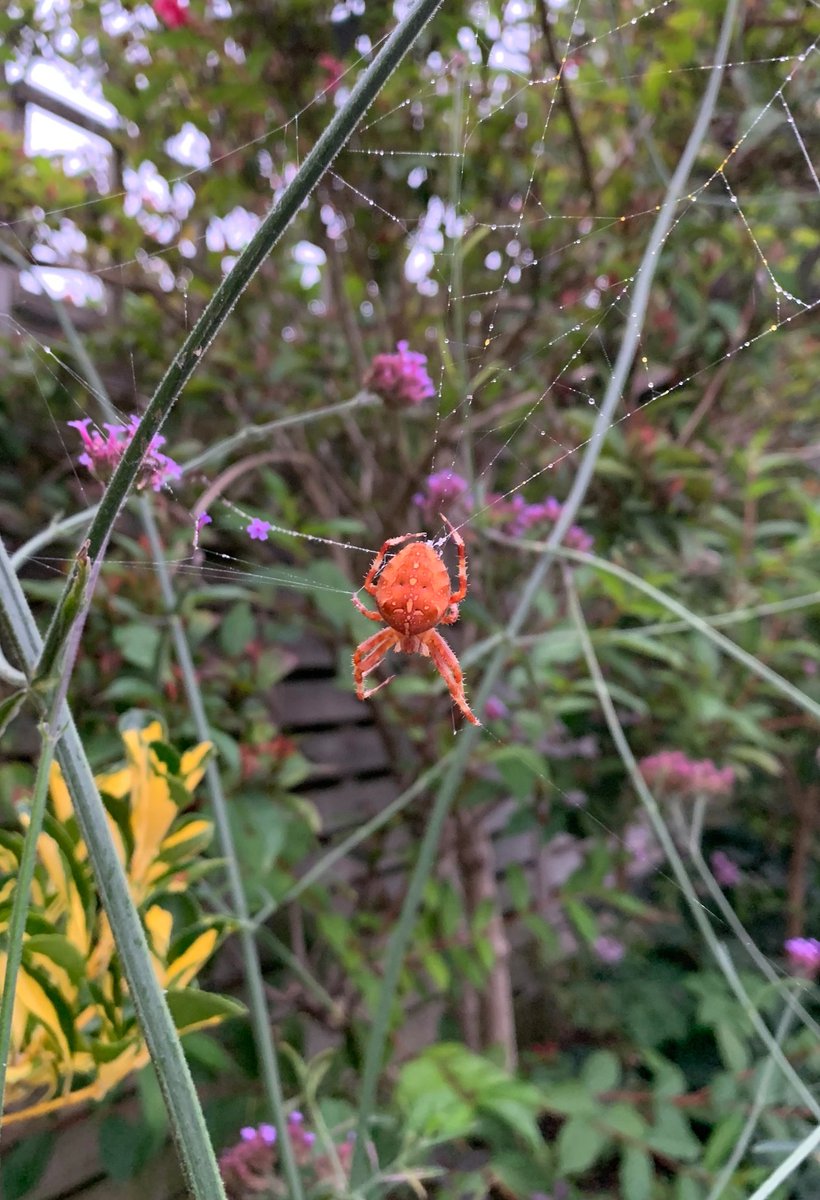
671 851
221 304
397 946
254 982
20 903
297 968
694 622
789 1165
733 920
758 1104
187 1122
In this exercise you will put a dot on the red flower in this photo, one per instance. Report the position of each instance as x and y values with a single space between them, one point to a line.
172 13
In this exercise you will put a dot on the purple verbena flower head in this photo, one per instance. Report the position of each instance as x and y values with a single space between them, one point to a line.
495 709
804 956
725 869
101 453
401 379
674 772
248 1166
258 529
608 949
442 491
519 517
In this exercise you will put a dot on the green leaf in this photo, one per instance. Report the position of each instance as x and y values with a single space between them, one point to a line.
601 1072
191 1007
520 767
732 1048
570 1097
237 629
636 1173
138 644
672 1135
582 919
61 951
723 1139
24 1164
125 1146
579 1145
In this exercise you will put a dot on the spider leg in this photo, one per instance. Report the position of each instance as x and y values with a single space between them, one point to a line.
449 668
368 584
450 617
373 616
367 657
461 591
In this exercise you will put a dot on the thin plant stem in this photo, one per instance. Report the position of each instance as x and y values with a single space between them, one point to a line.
669 848
22 896
293 963
758 1104
185 1113
694 622
764 1033
788 1166
254 982
397 946
733 920
251 434
224 299
354 839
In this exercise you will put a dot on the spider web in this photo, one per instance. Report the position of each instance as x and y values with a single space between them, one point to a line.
471 269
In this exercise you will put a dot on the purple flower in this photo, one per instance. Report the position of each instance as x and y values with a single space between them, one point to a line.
442 489
804 956
101 453
259 530
494 709
608 949
401 379
519 517
724 869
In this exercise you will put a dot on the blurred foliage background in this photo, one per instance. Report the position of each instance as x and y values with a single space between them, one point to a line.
576 1036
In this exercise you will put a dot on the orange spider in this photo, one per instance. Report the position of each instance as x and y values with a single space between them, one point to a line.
413 596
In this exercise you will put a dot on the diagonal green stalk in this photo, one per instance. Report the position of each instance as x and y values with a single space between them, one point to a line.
20 903
185 1113
397 947
669 848
254 982
733 920
809 1146
221 304
694 622
761 1096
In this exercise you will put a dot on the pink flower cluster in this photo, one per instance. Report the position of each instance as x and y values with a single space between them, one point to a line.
249 1167
172 14
102 452
519 518
401 379
804 956
673 771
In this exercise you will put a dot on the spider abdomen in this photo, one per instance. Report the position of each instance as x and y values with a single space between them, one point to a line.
413 590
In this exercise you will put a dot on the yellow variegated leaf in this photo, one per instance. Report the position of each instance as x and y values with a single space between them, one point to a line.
32 999
192 764
159 923
60 799
183 969
193 830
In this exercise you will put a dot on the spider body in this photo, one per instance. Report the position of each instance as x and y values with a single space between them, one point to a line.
413 594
